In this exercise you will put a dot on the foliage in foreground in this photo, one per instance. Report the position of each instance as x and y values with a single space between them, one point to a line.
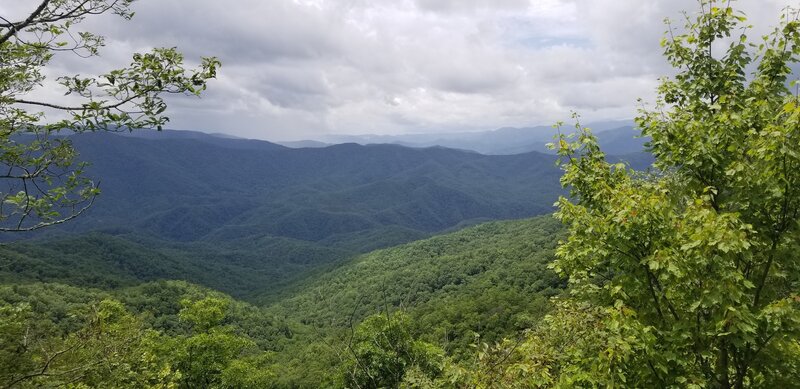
54 335
695 268
43 184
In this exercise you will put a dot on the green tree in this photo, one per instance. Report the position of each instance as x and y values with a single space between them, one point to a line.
42 184
560 351
111 349
699 258
210 356
385 354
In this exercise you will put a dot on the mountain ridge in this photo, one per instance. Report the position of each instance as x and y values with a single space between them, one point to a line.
619 135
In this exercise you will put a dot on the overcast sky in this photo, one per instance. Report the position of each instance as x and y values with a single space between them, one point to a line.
300 69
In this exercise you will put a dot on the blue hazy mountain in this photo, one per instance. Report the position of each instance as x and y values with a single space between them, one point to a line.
616 138
189 186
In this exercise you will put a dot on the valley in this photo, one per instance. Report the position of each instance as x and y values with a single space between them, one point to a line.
300 245
251 218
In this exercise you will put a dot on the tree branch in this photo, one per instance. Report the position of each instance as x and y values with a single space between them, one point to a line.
51 223
15 27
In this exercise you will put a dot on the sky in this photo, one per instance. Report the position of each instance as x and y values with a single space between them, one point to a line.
304 69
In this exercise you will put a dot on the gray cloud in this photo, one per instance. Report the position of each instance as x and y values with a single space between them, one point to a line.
460 6
304 68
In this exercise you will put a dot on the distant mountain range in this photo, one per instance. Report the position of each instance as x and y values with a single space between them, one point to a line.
189 186
616 138
266 209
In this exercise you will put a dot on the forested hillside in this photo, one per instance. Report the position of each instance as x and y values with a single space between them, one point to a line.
481 281
244 269
232 189
251 218
235 188
473 286
281 229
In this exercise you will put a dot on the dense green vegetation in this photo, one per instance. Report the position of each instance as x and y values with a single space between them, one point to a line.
307 194
249 217
245 269
440 293
153 335
687 277
481 281
684 276
250 189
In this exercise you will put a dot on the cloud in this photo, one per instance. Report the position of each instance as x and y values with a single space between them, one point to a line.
468 6
304 68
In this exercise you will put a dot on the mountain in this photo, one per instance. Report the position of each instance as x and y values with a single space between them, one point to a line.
621 141
503 141
491 279
305 243
244 269
251 217
304 144
187 189
433 273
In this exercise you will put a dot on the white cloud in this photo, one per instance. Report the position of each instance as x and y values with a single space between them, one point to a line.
302 68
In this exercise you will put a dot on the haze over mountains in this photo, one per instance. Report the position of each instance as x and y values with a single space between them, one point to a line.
616 138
